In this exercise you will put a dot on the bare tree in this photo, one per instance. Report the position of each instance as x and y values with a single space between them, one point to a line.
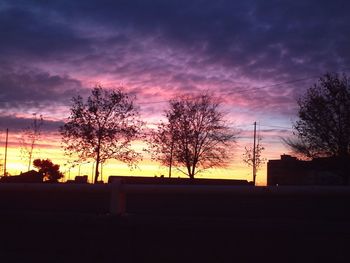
30 137
102 128
254 161
161 143
195 136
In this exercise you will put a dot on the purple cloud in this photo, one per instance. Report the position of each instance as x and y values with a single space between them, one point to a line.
157 49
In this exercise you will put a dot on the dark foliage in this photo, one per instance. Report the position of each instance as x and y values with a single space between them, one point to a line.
323 128
48 169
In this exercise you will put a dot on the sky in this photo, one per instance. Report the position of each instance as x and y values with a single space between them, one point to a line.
257 56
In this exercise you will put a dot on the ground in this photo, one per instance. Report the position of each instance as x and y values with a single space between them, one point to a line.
183 229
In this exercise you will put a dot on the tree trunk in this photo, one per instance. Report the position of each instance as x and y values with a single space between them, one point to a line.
97 162
193 171
96 170
189 172
171 157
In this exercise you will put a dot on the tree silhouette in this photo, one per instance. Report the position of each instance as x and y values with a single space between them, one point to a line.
250 159
102 128
195 136
323 128
30 137
49 170
161 143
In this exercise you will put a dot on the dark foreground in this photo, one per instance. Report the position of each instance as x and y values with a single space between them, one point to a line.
183 229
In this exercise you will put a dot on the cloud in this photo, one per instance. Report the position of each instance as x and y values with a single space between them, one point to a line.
18 124
161 48
35 88
33 33
252 35
25 91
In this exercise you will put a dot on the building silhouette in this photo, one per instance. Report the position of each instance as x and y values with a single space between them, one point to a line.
319 171
26 177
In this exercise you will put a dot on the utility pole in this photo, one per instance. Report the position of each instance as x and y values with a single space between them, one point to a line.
6 143
254 154
171 157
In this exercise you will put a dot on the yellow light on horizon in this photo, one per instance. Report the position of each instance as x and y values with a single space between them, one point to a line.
50 148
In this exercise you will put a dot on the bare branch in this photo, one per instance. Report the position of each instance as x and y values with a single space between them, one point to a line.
102 128
194 136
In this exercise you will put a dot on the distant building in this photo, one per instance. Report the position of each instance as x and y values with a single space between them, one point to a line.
319 171
79 180
176 181
27 177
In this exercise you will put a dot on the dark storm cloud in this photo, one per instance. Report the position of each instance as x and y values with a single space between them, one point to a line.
19 124
29 32
35 88
268 40
252 35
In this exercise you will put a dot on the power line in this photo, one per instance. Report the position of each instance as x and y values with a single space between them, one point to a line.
275 126
153 102
269 86
255 88
239 126
294 80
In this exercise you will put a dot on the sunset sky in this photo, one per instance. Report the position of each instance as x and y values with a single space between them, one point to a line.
257 56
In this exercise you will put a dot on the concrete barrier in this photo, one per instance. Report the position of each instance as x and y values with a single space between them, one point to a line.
118 193
243 194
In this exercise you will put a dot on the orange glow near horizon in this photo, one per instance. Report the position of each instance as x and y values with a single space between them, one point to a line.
49 147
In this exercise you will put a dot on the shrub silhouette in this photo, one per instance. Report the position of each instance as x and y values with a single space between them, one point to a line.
48 169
